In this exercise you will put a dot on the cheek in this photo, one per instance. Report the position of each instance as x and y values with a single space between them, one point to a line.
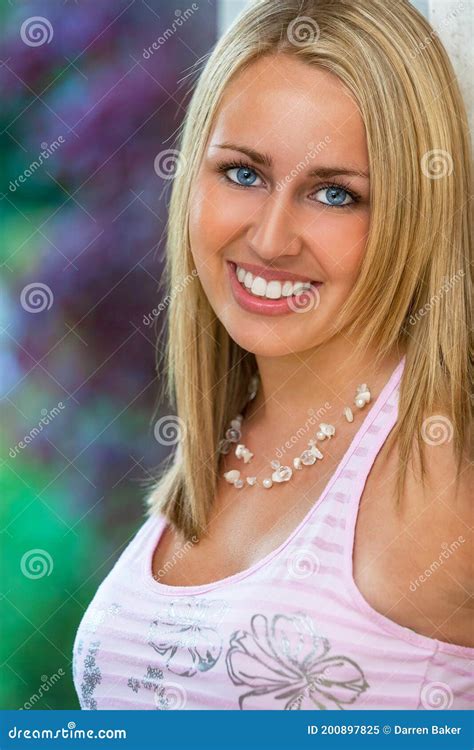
212 219
201 210
208 236
341 245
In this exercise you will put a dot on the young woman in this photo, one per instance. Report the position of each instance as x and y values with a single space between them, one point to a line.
308 547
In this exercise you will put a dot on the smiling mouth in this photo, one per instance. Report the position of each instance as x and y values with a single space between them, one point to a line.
271 289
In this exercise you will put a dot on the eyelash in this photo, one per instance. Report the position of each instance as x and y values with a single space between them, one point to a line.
223 167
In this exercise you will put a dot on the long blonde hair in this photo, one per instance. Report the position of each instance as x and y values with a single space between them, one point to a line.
414 284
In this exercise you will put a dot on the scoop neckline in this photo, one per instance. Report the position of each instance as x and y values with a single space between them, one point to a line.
156 532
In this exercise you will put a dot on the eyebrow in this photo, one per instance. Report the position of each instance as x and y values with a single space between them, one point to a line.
266 161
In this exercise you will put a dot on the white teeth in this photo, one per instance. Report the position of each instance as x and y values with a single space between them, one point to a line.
273 290
270 289
298 287
287 288
259 286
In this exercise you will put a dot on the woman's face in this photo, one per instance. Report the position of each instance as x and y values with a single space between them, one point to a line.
274 212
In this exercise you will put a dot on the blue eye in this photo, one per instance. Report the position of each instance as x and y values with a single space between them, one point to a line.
245 175
335 196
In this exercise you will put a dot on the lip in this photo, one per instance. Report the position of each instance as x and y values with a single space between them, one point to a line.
259 305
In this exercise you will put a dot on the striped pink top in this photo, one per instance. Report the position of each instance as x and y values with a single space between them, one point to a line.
290 632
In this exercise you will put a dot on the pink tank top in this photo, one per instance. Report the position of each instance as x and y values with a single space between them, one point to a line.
290 632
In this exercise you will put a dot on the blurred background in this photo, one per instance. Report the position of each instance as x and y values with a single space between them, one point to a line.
89 112
92 96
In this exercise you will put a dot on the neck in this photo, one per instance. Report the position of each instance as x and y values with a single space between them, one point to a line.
323 380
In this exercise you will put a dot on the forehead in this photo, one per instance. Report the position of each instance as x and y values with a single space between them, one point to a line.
279 101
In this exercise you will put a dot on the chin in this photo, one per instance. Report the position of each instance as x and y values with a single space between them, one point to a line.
267 338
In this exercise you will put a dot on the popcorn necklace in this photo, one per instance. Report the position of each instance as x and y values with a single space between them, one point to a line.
307 458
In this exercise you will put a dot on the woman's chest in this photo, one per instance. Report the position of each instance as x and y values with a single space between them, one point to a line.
212 645
405 565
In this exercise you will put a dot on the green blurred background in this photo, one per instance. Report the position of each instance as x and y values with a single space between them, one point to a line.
87 121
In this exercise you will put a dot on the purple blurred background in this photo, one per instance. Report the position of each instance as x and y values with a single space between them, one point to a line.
88 105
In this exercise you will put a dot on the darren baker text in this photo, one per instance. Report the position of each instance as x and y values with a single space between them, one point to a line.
434 729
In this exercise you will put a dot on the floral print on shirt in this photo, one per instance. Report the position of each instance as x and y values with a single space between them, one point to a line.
288 662
91 676
166 695
188 635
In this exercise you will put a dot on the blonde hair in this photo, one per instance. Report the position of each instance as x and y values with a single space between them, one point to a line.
419 238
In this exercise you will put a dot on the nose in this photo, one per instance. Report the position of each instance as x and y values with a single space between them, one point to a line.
273 233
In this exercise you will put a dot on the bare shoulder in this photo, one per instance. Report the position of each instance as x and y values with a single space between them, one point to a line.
421 546
447 482
446 523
